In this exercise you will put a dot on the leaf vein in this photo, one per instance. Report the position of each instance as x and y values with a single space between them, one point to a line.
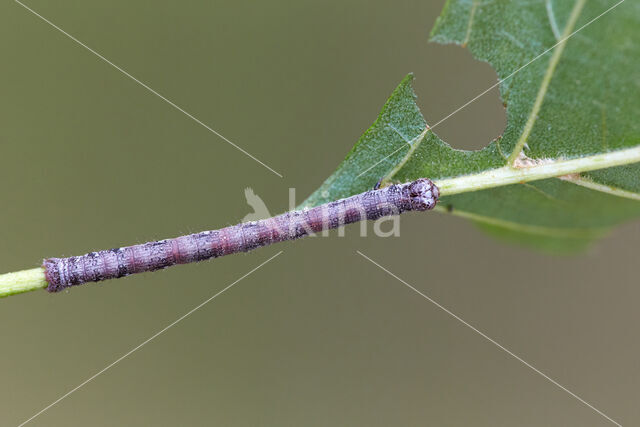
575 233
546 80
592 185
474 6
552 20
415 143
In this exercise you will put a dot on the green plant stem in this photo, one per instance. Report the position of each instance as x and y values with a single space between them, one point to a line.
22 281
541 169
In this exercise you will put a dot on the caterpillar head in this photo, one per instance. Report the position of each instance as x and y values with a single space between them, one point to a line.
423 194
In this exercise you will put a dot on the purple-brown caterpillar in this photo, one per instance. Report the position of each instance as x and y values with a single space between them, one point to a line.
61 273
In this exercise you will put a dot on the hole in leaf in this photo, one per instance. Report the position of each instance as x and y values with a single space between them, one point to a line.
454 78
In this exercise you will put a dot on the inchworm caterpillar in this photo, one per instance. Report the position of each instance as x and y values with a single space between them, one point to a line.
419 195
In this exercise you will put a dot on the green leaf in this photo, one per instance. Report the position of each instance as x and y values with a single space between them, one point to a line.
566 168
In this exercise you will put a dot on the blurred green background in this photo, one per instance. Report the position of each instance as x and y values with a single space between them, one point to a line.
319 336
